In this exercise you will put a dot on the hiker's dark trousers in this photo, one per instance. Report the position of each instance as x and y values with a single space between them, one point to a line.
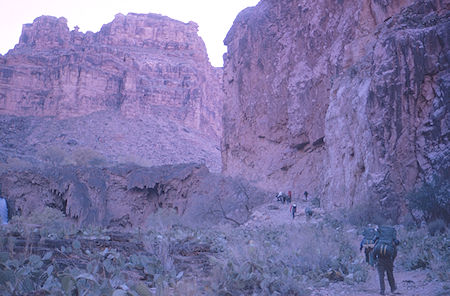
386 265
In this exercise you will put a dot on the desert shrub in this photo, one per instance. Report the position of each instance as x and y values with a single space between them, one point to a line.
162 220
437 226
83 269
17 162
49 222
284 260
104 273
408 221
432 199
315 202
224 200
87 157
135 159
335 219
53 154
419 250
367 213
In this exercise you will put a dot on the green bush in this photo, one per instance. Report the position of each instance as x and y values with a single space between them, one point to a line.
419 250
84 156
284 260
78 270
432 199
367 213
437 226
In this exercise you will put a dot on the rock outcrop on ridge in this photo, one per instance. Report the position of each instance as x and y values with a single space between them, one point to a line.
84 114
137 64
140 90
346 100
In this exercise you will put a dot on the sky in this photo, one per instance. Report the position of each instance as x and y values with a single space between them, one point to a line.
214 17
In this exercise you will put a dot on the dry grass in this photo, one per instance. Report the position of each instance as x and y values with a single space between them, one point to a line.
420 250
288 259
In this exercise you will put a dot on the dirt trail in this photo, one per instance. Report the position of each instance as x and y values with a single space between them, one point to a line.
409 283
278 213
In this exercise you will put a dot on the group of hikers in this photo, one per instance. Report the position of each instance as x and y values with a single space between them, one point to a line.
287 198
379 244
380 248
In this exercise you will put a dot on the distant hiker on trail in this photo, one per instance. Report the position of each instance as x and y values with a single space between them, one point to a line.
289 198
293 210
3 209
306 195
384 252
283 197
280 196
308 213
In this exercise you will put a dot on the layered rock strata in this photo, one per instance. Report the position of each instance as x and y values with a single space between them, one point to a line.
137 64
346 100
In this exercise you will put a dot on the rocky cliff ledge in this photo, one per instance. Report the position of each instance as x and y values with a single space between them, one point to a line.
126 195
137 64
347 100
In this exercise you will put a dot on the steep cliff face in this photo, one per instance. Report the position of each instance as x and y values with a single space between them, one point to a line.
138 65
346 100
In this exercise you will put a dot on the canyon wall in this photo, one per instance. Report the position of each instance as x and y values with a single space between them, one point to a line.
137 65
346 100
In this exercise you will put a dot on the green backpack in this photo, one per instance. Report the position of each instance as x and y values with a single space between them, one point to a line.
386 244
369 237
368 243
387 234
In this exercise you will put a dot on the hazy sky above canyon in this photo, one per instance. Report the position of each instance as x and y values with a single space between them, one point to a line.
214 17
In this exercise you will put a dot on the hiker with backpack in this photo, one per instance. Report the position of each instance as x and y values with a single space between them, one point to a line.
289 198
384 252
280 196
283 197
368 243
308 213
293 210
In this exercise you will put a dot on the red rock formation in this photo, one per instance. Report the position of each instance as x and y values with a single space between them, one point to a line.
347 100
138 64
126 195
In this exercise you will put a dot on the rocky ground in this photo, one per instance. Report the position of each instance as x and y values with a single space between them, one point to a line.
412 283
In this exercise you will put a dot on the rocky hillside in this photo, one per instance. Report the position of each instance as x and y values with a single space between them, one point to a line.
103 138
347 100
137 65
80 112
141 90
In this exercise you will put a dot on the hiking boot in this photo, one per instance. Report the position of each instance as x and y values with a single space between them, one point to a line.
382 293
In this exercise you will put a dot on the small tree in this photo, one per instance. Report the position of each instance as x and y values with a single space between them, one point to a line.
432 199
